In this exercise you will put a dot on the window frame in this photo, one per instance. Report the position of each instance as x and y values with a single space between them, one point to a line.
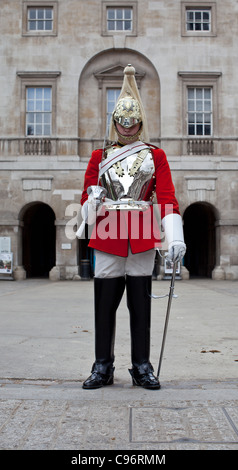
198 6
37 80
44 4
200 80
35 112
123 4
123 20
202 112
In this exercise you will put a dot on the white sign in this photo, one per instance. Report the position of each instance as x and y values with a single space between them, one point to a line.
6 263
66 246
5 244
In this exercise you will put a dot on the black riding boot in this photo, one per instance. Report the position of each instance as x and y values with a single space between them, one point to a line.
139 305
108 293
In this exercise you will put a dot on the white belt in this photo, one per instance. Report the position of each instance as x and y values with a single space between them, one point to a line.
127 204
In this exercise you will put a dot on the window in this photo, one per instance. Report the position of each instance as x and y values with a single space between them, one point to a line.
198 19
38 111
119 18
112 97
199 111
39 18
38 103
200 103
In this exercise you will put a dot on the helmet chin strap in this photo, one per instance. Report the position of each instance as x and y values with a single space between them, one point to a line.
127 139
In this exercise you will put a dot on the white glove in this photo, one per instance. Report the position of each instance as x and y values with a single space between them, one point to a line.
92 206
173 227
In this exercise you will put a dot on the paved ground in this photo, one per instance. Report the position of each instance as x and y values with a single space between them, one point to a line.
46 352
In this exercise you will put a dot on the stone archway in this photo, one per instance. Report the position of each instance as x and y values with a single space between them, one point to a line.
199 233
38 239
105 71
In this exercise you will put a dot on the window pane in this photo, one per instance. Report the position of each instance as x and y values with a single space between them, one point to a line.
48 25
189 26
119 25
47 130
207 93
207 118
198 93
198 26
38 105
110 25
119 14
127 14
110 14
40 14
127 25
30 105
207 105
199 105
199 130
31 14
38 130
47 106
32 25
207 130
112 97
38 93
191 130
110 94
47 93
48 13
47 118
30 117
191 93
39 118
30 93
110 107
199 117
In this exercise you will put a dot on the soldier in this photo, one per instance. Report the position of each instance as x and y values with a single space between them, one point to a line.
130 173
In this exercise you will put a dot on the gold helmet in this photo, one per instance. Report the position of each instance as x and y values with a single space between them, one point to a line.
127 112
129 108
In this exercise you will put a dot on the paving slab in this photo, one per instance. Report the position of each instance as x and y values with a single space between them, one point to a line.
46 351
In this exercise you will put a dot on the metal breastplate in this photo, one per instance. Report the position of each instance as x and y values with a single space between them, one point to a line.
127 180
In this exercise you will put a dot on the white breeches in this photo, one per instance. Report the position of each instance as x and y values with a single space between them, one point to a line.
139 264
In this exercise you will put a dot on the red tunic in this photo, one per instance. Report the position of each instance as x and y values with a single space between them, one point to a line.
114 230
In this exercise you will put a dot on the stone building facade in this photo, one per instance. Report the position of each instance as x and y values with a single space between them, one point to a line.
61 68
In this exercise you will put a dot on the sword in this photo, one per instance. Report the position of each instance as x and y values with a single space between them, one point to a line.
170 295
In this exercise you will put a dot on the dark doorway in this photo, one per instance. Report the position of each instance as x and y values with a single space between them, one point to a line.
38 240
199 234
